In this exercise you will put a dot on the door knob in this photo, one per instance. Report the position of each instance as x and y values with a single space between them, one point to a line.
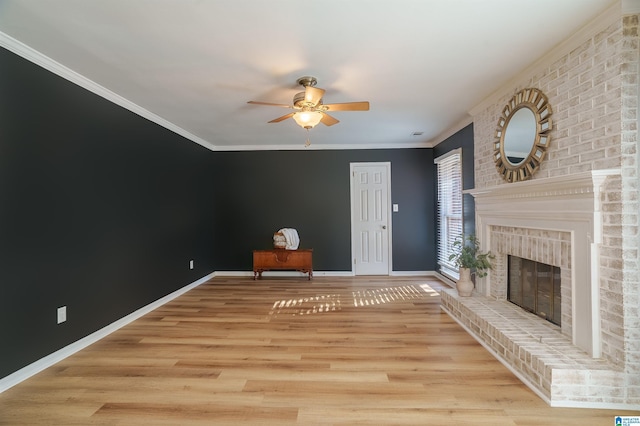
384 226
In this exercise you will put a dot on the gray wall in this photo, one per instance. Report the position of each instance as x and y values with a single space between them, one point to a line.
101 210
312 195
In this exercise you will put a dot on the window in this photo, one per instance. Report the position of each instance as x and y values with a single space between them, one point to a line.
449 208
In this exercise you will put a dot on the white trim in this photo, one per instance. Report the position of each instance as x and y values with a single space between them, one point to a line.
445 280
413 273
446 271
447 155
55 67
451 131
630 7
49 64
333 274
593 405
326 274
563 203
443 233
285 274
234 273
57 356
387 165
319 147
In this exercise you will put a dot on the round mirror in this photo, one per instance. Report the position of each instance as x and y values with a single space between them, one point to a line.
519 136
522 135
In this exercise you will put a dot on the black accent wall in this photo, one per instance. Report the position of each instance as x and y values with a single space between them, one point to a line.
100 210
310 191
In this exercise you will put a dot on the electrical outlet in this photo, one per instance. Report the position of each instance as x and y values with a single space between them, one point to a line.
191 264
62 314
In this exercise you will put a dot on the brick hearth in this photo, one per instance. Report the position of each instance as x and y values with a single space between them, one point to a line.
535 351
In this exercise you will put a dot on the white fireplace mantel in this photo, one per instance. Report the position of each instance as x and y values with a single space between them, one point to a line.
571 204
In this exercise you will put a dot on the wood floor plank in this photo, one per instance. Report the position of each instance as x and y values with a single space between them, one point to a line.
286 351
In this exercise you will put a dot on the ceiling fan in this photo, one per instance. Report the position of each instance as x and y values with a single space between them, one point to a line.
308 106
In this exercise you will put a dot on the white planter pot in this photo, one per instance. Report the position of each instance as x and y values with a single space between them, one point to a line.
464 284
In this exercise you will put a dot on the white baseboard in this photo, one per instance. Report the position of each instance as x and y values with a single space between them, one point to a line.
413 273
284 274
321 274
333 273
234 274
57 356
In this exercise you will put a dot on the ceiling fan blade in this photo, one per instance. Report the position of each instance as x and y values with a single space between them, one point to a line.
328 120
284 117
348 106
313 95
269 104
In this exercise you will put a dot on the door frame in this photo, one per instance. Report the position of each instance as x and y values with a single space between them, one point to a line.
387 165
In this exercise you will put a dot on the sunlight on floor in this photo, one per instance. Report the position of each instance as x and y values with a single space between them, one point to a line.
322 304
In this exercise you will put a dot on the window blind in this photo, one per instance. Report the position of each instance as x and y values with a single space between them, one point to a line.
449 168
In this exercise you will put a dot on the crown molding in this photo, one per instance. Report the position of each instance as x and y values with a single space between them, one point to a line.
55 67
630 7
589 30
450 131
49 64
318 147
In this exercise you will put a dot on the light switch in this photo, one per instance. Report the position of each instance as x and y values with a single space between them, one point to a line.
395 207
62 314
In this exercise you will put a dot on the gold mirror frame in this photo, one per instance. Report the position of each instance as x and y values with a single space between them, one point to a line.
538 103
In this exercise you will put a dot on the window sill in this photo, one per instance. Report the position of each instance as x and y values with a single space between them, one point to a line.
452 274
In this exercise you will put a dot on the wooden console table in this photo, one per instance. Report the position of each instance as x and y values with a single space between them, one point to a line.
281 259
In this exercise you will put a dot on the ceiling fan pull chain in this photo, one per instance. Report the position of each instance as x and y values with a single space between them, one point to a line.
308 142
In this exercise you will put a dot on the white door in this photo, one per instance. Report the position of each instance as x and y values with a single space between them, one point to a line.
370 224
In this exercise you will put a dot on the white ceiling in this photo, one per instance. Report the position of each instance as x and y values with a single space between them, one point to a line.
422 64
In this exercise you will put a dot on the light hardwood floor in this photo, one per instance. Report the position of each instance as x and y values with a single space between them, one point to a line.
284 351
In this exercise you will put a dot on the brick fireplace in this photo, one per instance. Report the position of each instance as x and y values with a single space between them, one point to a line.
545 246
557 221
592 82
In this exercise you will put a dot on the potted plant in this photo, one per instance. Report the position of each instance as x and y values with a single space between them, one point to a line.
467 258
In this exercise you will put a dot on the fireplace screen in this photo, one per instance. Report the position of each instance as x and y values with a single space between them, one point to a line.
535 287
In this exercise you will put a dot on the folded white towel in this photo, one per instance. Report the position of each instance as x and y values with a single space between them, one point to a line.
292 238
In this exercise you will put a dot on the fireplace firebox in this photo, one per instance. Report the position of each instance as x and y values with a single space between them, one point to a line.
535 287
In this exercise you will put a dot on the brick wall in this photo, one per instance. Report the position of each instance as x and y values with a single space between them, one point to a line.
549 247
584 91
594 92
630 208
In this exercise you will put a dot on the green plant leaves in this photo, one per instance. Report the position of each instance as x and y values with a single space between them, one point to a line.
468 255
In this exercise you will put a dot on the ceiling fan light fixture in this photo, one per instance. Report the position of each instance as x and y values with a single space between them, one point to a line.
309 108
307 119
